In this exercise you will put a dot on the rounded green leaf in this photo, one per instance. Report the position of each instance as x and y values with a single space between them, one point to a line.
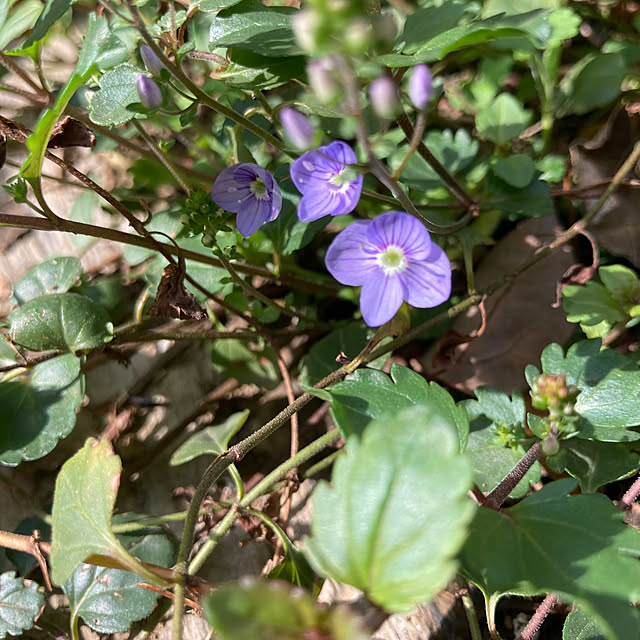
57 275
502 120
579 626
517 170
381 525
264 611
108 105
20 603
37 415
109 600
65 321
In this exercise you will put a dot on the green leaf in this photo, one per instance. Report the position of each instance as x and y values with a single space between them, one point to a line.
118 88
108 600
369 394
320 361
264 611
502 120
66 321
216 5
426 24
249 70
212 440
101 48
574 546
366 529
533 201
20 603
295 570
252 26
517 170
614 401
37 415
52 12
594 463
593 82
623 285
22 17
579 626
84 496
56 275
593 306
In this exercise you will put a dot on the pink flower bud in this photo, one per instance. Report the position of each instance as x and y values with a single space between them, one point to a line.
149 92
420 86
321 79
384 96
297 127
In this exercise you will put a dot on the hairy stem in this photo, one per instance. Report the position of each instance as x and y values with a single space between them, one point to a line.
538 617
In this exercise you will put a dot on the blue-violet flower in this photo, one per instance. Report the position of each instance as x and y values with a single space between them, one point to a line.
251 192
297 127
327 185
420 86
393 259
148 92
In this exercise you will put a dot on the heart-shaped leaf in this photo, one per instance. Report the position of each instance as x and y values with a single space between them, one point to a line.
57 275
65 321
380 525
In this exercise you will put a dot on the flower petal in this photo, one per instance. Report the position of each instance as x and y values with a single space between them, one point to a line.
347 260
427 283
228 193
313 169
253 216
341 151
380 299
402 230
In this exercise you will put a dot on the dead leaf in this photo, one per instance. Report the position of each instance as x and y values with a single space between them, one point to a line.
520 318
616 226
173 300
71 133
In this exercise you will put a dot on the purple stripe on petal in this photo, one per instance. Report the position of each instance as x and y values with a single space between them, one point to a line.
315 205
341 151
251 218
380 299
276 203
403 230
428 283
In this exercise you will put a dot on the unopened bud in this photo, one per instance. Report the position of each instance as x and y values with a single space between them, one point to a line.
322 81
384 96
297 127
149 92
550 445
151 61
358 36
307 27
420 85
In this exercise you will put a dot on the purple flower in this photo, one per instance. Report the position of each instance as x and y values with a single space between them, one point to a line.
384 96
393 259
297 127
327 185
148 92
251 192
151 60
420 84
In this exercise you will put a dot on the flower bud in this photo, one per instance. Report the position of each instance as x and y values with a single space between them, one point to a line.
307 27
320 75
297 127
420 85
149 92
384 96
358 36
151 61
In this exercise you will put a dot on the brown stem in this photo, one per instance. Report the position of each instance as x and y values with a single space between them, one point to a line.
495 498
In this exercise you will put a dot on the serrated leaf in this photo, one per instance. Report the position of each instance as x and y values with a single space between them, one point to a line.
614 401
212 440
84 496
56 275
517 170
20 603
108 600
593 307
369 394
575 546
502 120
65 321
36 415
579 626
264 611
366 528
623 285
594 463
118 88
252 26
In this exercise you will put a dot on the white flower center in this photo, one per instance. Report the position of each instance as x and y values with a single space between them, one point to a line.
392 260
259 189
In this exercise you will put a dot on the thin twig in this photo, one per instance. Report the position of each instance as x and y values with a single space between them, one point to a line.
536 620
